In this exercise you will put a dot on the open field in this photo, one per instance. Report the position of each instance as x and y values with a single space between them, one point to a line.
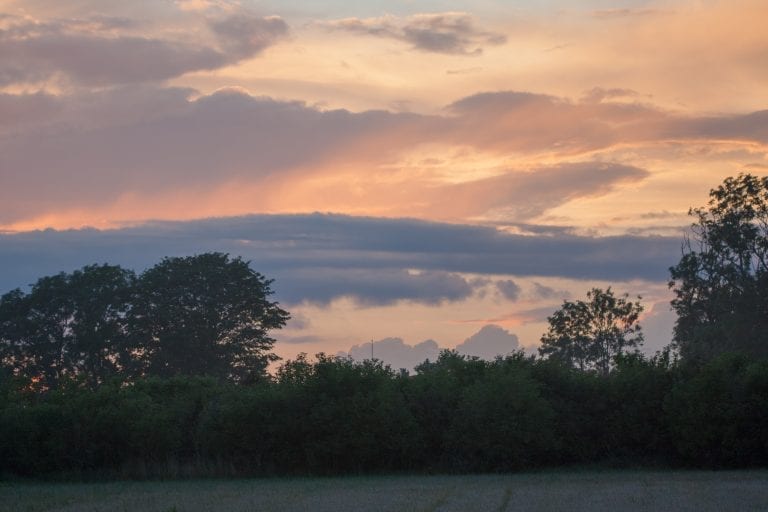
594 491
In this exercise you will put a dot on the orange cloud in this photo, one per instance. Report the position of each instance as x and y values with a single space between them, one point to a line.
132 154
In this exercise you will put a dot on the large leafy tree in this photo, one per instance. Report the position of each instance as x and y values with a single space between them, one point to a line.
69 326
721 281
590 334
205 315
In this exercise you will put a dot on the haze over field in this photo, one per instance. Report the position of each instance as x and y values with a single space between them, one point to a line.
473 163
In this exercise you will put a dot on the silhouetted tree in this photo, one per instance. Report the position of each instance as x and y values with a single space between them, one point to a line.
68 326
721 281
589 335
205 315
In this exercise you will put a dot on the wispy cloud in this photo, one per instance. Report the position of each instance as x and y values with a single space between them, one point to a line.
448 32
515 318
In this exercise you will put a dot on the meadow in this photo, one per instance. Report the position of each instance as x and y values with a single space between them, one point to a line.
545 491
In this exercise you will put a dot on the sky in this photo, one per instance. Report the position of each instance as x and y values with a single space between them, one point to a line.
420 174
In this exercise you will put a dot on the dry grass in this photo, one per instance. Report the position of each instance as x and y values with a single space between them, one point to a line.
594 491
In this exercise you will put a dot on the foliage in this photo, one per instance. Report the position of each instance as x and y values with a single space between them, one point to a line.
331 415
718 415
501 422
201 315
433 397
721 281
205 315
590 335
69 325
634 427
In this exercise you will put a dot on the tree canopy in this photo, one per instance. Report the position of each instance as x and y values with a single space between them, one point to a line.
69 325
206 314
721 281
199 315
589 335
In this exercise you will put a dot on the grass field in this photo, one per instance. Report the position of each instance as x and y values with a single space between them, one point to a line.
624 491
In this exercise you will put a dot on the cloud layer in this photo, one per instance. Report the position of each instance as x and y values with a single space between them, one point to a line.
318 258
150 151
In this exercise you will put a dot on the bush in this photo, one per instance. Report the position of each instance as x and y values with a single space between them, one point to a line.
336 416
719 415
501 423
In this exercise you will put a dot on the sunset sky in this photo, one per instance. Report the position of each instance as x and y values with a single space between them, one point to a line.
428 174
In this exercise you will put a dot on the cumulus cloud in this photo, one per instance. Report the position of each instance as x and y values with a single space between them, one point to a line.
490 341
487 343
449 32
395 352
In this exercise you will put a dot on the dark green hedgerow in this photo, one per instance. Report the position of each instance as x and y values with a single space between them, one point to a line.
336 416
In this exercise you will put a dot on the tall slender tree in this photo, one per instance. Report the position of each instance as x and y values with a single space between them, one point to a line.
721 281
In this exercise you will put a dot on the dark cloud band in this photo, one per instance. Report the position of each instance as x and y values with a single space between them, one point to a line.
321 257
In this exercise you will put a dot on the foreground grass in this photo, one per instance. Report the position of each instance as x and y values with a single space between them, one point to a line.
594 491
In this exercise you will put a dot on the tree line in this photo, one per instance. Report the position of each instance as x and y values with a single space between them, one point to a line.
164 373
336 416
